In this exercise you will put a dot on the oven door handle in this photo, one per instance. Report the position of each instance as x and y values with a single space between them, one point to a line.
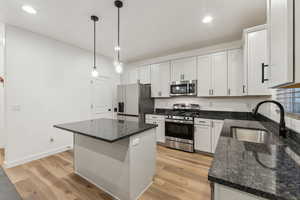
179 122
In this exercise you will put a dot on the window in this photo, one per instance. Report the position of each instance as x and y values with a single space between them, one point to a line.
290 99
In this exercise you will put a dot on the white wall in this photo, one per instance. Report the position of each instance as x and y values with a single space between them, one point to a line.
238 104
48 82
2 45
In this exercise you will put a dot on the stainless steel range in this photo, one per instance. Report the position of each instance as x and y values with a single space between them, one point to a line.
180 127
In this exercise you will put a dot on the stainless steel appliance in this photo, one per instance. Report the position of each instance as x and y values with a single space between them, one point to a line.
179 127
134 100
183 88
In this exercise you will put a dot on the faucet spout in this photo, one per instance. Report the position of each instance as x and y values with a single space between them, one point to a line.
282 127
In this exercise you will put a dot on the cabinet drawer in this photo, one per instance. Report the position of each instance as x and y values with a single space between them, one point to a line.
155 117
204 122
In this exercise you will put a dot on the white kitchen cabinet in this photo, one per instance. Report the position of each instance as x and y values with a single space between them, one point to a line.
219 74
160 130
226 193
235 72
202 135
160 80
281 37
212 75
256 60
217 126
206 134
144 74
204 75
184 69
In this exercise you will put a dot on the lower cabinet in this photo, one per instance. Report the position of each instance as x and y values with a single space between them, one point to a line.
160 130
225 193
206 135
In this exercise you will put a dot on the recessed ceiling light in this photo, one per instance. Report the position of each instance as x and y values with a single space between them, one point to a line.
207 19
29 9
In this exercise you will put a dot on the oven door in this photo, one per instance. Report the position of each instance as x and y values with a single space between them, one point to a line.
179 89
183 131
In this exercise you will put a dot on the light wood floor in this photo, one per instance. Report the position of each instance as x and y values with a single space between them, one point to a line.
180 176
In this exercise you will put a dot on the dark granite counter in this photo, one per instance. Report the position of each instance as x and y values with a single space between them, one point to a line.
270 170
108 130
206 114
7 189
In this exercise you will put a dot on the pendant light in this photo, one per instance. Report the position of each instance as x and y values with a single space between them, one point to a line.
118 64
95 72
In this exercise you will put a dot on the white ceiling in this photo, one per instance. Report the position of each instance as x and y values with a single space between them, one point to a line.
149 28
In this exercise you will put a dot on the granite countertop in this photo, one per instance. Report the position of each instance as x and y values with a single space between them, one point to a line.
271 170
207 114
109 130
7 189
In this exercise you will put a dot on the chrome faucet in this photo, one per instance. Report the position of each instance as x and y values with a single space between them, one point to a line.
282 127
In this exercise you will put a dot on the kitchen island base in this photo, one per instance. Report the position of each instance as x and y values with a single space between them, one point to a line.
124 169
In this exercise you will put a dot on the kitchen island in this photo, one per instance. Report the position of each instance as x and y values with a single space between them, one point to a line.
118 156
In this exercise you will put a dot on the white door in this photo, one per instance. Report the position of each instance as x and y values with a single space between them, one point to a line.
280 20
184 69
257 62
204 75
216 132
160 79
235 72
144 74
219 74
202 138
102 98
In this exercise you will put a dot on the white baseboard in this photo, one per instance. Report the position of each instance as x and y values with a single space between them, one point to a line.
35 157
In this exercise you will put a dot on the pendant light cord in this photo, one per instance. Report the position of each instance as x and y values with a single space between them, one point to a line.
119 34
95 44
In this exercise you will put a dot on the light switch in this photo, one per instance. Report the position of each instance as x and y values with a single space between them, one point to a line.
135 141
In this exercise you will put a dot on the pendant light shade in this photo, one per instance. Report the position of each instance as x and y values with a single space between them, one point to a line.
118 64
94 72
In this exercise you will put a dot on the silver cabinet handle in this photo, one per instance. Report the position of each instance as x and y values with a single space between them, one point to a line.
229 91
212 91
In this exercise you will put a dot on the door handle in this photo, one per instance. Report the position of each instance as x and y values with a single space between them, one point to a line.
244 89
229 91
263 66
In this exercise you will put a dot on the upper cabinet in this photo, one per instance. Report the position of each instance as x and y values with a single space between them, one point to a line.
281 38
212 75
160 80
256 61
184 69
219 74
235 72
144 74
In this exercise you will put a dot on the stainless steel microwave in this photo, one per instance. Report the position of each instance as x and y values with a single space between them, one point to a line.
183 88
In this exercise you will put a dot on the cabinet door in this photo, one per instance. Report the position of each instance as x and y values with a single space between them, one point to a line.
257 59
144 74
216 132
204 75
161 131
235 72
202 138
219 74
184 69
160 79
280 19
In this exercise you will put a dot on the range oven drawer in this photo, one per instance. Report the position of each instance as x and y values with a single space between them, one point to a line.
180 145
179 130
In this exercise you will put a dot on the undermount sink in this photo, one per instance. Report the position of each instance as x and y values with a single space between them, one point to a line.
250 135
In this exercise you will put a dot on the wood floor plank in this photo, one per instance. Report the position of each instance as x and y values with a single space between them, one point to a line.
179 176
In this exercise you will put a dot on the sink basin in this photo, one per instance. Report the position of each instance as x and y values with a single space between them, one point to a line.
250 135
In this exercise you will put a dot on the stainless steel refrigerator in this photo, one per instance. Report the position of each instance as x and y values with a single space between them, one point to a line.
134 101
